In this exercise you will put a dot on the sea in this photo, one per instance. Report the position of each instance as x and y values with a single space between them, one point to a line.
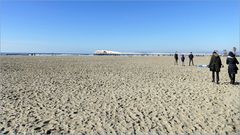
93 54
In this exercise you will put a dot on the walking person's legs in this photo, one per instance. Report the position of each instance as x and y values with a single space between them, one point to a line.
217 73
233 78
176 62
191 62
230 76
213 76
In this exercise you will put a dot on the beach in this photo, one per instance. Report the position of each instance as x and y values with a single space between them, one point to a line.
115 95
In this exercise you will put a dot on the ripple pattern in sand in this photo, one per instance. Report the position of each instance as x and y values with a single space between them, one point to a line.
114 95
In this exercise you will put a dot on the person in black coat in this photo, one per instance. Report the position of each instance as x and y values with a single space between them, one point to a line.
215 66
190 56
176 58
232 66
183 59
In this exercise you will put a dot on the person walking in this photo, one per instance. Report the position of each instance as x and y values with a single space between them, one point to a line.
183 59
232 67
176 58
190 56
215 66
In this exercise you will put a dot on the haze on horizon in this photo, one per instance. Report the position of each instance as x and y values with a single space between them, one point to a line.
125 26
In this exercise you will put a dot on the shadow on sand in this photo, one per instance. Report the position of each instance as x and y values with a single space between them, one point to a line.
237 83
228 83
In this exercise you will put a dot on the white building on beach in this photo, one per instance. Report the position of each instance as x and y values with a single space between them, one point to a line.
106 52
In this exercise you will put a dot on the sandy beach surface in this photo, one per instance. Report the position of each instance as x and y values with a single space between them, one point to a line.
115 95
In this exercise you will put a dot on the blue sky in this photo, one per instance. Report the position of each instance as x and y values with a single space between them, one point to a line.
139 26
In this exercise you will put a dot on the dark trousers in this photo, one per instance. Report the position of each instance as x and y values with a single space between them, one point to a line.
176 62
183 62
232 77
213 76
191 61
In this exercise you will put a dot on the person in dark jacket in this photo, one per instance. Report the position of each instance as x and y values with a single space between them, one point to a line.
176 58
232 66
183 59
191 59
215 66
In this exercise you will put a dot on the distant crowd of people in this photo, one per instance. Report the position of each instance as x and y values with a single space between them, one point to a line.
215 65
190 56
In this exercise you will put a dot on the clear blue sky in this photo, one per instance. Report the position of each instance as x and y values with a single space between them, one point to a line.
156 26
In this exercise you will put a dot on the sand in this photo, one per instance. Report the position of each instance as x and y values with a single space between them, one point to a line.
115 95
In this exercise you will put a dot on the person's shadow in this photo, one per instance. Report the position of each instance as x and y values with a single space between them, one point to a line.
236 83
